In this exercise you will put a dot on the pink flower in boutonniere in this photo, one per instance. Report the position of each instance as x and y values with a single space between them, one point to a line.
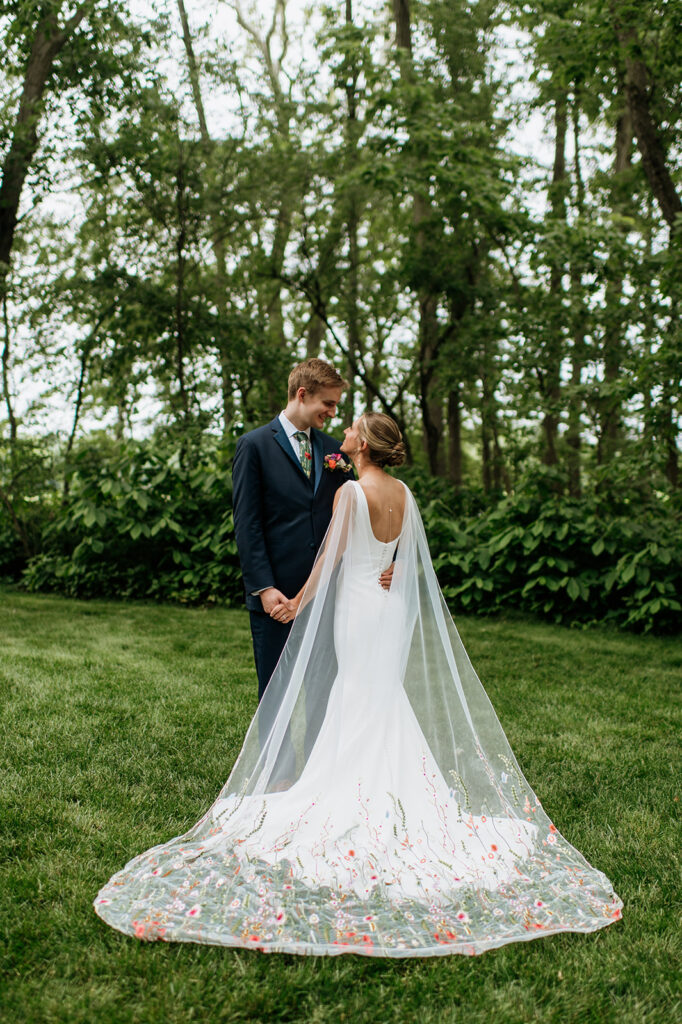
337 461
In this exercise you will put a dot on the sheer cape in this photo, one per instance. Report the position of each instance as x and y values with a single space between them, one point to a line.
376 806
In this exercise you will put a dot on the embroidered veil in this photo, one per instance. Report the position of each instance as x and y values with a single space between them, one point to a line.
376 806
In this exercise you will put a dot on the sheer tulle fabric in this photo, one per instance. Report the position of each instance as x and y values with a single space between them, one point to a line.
376 806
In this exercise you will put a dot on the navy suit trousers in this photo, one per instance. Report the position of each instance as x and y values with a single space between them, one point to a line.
269 638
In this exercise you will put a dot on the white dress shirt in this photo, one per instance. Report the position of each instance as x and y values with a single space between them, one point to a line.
291 430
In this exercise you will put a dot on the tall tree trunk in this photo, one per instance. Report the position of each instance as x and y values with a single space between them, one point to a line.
80 393
48 41
430 402
217 241
355 341
274 287
455 461
637 90
670 400
180 334
670 434
578 354
314 336
494 471
6 389
611 414
551 375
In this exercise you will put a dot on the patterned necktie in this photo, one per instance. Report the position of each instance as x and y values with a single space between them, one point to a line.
305 454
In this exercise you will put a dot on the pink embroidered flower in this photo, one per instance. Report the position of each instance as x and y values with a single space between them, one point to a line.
463 916
194 912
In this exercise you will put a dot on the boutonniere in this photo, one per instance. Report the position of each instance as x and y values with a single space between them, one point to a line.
337 461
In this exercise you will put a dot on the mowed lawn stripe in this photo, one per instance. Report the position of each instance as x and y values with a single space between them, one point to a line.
120 723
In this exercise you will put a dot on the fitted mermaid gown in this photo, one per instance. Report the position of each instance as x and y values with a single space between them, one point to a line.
407 828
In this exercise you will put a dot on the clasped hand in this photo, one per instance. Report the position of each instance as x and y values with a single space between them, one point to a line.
284 609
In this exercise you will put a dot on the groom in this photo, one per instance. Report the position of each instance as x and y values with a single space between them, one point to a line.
282 498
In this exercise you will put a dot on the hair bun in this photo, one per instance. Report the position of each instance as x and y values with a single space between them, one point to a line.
396 456
383 437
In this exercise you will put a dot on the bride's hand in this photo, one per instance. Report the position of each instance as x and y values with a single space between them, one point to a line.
387 576
285 611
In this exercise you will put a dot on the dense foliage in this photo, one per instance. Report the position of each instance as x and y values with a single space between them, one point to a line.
471 207
564 560
137 523
141 525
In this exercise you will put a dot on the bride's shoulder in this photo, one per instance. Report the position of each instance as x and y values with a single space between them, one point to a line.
346 491
387 488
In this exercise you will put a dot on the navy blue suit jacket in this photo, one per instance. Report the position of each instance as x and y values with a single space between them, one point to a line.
280 516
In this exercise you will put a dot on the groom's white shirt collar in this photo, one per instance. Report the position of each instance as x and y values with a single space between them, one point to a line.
291 430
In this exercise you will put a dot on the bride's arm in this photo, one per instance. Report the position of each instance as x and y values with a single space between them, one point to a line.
309 588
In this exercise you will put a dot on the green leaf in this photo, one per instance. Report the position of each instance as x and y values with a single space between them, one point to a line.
628 572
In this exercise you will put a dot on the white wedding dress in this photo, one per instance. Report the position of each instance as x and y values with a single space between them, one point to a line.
376 806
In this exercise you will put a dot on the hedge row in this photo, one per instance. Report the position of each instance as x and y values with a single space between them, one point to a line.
137 524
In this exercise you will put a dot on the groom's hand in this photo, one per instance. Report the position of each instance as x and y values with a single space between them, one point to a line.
270 598
285 611
386 577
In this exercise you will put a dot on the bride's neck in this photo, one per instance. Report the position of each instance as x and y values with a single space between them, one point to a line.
367 469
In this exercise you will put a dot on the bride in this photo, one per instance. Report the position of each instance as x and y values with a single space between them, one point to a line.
376 806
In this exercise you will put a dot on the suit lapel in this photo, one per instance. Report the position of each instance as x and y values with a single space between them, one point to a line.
285 444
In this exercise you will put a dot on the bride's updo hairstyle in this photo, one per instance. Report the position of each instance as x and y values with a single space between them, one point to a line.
383 437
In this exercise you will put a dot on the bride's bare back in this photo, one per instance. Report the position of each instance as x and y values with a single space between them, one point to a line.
386 502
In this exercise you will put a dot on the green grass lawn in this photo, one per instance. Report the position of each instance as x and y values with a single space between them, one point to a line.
119 724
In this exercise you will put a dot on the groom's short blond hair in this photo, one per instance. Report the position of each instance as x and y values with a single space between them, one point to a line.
314 375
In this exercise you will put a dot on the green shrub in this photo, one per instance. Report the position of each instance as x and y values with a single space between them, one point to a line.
138 525
27 497
563 560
